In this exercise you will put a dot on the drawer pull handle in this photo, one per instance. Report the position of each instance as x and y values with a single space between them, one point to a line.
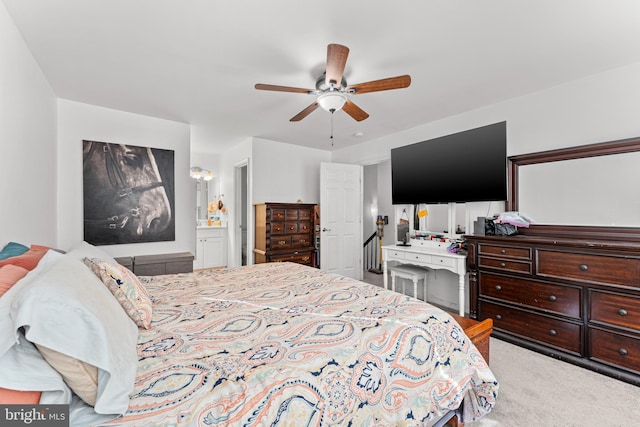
584 267
503 251
623 352
553 332
553 298
498 288
282 242
502 264
499 316
622 312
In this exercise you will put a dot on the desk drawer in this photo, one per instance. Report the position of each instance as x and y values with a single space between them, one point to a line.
443 261
395 255
418 257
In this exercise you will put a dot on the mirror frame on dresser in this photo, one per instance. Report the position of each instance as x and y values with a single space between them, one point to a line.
623 146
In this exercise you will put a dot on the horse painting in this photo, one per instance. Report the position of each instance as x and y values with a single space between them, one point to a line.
128 194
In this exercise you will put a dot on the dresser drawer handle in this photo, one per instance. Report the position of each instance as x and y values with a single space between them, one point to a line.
498 316
502 264
622 312
584 267
553 298
498 288
503 251
623 352
553 332
282 242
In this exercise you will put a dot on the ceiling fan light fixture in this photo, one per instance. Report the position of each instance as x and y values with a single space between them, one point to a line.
332 101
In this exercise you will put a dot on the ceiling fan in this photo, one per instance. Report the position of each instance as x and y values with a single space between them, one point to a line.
332 92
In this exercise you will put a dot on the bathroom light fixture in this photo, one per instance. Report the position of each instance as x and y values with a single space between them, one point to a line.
198 172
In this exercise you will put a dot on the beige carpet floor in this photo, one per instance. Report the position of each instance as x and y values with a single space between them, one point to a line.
537 390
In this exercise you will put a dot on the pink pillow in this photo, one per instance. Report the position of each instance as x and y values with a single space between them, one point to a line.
29 259
15 397
9 275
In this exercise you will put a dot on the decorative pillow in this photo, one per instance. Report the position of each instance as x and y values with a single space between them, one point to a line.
81 377
86 250
12 249
27 260
19 397
9 275
125 286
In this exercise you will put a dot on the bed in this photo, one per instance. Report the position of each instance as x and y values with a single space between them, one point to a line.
268 344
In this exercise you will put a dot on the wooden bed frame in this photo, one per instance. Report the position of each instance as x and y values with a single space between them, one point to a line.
479 333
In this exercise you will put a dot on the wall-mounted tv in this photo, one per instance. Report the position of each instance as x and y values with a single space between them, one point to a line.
469 166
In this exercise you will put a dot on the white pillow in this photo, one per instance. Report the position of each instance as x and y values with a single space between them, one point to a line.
67 309
86 250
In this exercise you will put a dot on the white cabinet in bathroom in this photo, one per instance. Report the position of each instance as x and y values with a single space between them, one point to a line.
211 247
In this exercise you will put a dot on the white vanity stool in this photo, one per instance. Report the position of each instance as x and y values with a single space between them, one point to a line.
411 272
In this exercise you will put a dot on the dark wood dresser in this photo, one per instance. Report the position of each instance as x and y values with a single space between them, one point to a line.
574 299
285 232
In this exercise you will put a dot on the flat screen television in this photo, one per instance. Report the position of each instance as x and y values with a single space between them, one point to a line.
468 166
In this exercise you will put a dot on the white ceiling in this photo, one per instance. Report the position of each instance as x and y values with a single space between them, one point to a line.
196 61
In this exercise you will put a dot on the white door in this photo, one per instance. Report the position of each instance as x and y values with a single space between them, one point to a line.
341 219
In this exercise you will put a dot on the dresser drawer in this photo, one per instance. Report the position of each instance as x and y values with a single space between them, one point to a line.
615 349
615 309
276 228
589 268
550 331
303 258
301 241
291 228
305 227
278 214
505 251
292 214
279 242
504 265
305 214
558 299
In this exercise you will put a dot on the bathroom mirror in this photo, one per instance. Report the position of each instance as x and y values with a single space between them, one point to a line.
202 198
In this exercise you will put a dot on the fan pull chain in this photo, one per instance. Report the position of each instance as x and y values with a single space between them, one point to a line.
331 137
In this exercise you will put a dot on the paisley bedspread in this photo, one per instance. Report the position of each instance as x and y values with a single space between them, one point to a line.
282 344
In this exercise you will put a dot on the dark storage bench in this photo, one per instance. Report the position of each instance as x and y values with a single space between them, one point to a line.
153 265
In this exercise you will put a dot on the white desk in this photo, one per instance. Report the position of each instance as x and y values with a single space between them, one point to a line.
426 253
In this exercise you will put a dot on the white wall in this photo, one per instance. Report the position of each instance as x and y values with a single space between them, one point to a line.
77 121
27 144
285 172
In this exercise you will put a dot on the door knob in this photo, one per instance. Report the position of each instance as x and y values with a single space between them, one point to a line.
326 229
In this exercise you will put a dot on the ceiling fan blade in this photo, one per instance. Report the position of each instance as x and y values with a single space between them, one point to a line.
383 84
276 88
336 61
304 113
354 111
